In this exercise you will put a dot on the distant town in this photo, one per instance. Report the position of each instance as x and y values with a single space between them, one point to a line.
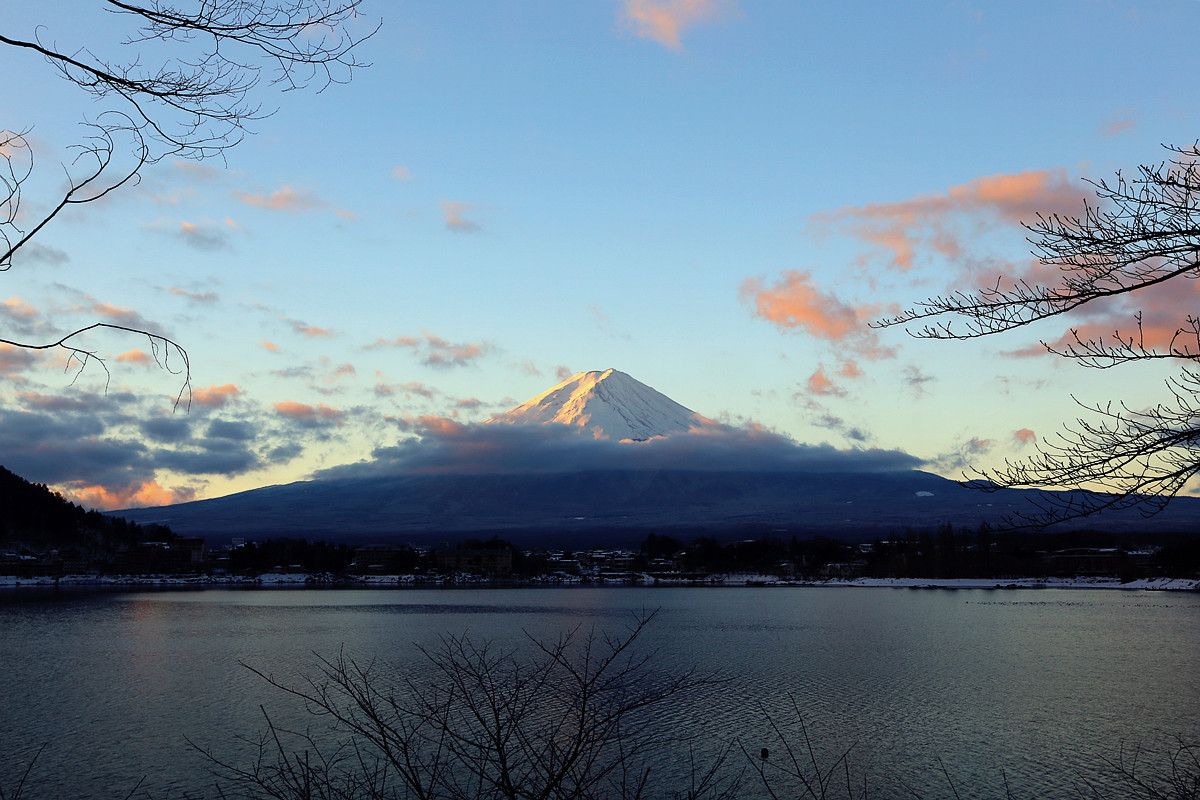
47 539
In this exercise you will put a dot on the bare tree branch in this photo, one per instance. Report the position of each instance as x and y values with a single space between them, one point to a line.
1141 232
570 719
195 103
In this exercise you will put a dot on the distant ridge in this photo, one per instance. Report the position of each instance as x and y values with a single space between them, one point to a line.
609 404
714 482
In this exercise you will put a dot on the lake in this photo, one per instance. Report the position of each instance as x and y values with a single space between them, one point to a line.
1036 688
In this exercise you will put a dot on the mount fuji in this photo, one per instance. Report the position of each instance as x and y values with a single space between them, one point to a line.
602 460
609 405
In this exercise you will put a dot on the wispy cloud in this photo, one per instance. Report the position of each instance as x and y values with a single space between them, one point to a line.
310 416
664 21
819 384
18 315
200 298
435 351
935 224
38 253
401 173
203 236
454 214
915 379
126 317
14 360
304 329
1118 122
290 199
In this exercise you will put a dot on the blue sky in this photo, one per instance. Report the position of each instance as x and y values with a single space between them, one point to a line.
714 197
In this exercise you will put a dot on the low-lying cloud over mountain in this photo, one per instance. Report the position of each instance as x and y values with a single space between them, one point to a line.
442 446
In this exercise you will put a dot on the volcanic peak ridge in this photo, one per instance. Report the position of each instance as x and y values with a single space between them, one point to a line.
610 404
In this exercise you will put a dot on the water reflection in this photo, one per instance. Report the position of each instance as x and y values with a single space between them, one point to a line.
1025 684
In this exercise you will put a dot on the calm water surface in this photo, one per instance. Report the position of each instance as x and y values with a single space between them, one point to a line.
1036 687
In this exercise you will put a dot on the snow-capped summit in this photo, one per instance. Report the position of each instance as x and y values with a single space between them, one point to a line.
610 404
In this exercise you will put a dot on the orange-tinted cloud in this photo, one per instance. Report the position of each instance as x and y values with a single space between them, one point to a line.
305 329
1024 436
195 297
135 357
320 414
796 302
287 198
125 317
819 384
139 495
664 21
1165 310
935 223
269 346
436 351
432 423
453 213
215 396
17 310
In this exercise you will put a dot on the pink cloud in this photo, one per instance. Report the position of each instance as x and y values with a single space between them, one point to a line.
215 396
303 413
664 21
139 495
1165 311
436 351
305 329
195 297
269 346
454 212
401 173
1024 436
125 317
134 357
797 302
18 311
819 384
289 199
934 223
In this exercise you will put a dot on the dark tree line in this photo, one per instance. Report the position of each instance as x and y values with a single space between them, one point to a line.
33 516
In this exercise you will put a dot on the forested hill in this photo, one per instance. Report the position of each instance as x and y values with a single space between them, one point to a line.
34 516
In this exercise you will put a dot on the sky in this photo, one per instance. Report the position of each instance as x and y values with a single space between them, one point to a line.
715 197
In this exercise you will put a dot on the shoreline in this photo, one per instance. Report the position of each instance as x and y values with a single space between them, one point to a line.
303 580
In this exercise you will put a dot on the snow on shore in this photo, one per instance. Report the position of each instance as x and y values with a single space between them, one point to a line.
299 580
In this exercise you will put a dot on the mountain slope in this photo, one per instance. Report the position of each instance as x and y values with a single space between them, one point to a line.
610 404
711 488
617 507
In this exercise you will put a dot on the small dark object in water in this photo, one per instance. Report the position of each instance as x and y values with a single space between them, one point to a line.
765 754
